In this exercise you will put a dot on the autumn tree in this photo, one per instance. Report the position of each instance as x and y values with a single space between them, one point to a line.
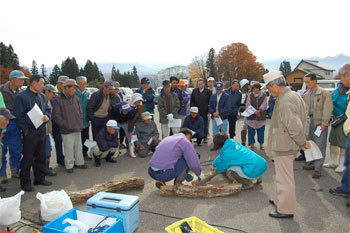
236 61
210 63
285 68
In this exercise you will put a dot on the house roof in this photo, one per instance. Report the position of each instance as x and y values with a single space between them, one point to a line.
306 71
315 63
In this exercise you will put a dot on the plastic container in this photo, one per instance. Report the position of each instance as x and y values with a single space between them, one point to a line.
122 206
91 219
197 225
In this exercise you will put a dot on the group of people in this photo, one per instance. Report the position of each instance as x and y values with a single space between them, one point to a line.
68 111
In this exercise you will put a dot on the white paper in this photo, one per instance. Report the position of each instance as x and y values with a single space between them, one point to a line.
318 131
89 143
134 138
313 153
149 141
218 121
36 116
249 111
174 123
170 116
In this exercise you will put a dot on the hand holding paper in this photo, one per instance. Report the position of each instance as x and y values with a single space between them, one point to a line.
170 117
36 116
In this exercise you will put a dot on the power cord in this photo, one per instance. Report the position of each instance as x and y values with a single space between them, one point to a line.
15 229
167 216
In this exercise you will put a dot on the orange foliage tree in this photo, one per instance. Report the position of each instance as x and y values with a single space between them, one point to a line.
5 73
236 61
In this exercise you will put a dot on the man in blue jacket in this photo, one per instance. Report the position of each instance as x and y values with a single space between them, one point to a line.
147 95
236 98
195 123
219 107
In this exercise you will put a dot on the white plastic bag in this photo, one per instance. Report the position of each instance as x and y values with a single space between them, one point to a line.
313 153
54 204
9 209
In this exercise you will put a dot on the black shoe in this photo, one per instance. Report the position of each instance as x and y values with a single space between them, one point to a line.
205 141
61 164
199 144
84 166
275 214
87 158
44 183
122 146
110 160
338 192
97 162
2 189
70 170
272 202
348 204
316 175
214 149
28 188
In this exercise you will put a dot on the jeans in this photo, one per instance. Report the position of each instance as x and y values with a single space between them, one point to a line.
251 135
11 141
345 180
222 128
167 175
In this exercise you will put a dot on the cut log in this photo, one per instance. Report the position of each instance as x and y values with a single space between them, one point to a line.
207 191
110 186
206 179
36 231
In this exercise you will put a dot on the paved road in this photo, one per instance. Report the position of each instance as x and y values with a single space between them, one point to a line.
317 210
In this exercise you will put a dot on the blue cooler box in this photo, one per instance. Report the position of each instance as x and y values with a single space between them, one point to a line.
91 219
122 206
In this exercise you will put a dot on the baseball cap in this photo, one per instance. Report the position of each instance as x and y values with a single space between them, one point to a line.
113 124
181 82
109 84
166 82
145 80
211 79
194 109
6 113
126 108
70 82
243 82
49 87
62 79
219 85
270 76
146 116
17 74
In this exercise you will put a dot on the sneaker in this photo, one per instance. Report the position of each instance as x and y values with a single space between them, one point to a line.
251 147
159 184
340 169
337 191
189 177
262 147
309 166
316 175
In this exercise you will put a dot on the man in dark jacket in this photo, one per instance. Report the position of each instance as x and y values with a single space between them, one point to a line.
219 107
99 107
33 137
107 143
147 95
195 123
200 98
236 98
68 115
176 90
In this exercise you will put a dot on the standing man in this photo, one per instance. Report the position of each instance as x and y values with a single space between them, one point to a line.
99 107
319 107
287 135
12 138
168 108
236 99
219 107
33 137
116 96
186 101
83 96
200 98
246 90
147 95
5 117
211 84
68 115
56 134
175 89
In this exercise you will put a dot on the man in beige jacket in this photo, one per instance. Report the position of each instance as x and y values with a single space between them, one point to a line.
319 107
287 135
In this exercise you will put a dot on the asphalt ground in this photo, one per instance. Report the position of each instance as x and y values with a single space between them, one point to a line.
317 209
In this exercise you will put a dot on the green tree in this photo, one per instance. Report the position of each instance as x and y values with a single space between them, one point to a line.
14 62
56 72
70 68
210 64
285 68
8 58
134 78
34 69
44 72
81 72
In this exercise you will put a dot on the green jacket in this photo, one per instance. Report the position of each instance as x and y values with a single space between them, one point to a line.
2 105
162 107
83 101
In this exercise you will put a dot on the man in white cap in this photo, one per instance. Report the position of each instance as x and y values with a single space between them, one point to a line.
147 135
287 135
211 85
195 123
68 115
107 143
245 87
12 138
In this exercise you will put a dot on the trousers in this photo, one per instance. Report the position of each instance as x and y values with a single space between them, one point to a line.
72 150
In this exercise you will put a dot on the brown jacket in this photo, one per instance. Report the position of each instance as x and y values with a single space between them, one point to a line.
323 106
289 125
67 114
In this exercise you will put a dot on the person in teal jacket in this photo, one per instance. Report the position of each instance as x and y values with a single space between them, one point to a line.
241 163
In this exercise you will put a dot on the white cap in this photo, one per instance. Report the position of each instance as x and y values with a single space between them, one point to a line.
270 76
113 124
243 82
211 79
194 109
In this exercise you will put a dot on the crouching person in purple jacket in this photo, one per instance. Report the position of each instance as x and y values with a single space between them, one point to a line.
173 158
107 143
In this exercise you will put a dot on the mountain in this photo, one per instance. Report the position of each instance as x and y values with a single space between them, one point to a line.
334 62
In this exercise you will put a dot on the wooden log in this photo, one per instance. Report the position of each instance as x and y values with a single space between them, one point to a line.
207 191
206 179
110 186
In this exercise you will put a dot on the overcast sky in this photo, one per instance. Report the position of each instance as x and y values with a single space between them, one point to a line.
175 31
